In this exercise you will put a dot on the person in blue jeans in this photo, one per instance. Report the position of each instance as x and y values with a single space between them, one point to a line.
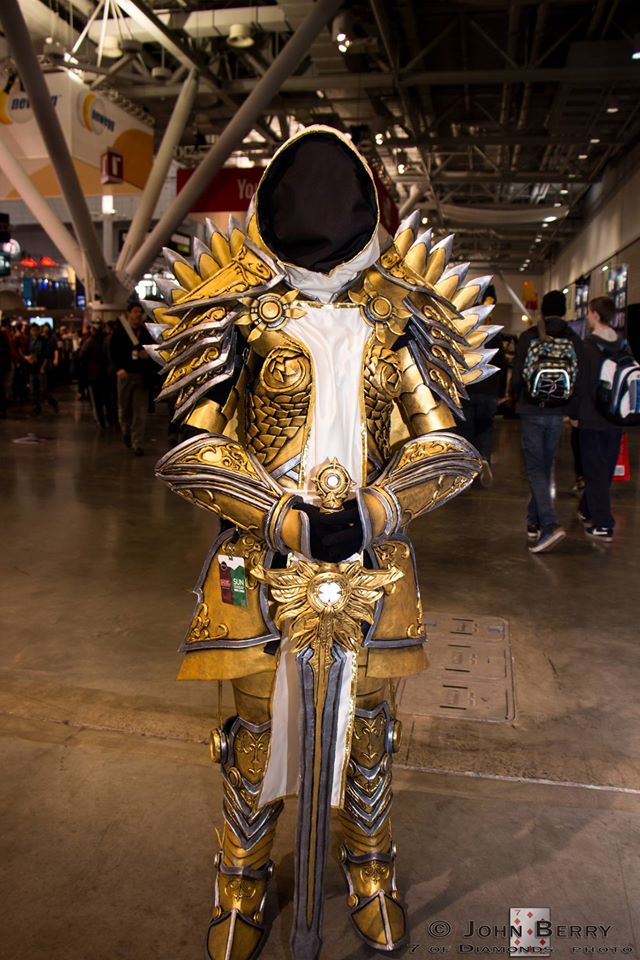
599 437
542 426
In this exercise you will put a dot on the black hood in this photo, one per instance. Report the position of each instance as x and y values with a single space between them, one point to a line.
556 326
316 205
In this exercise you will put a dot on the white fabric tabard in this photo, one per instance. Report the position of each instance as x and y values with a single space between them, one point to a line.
336 338
282 777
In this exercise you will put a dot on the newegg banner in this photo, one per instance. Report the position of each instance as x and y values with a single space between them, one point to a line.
91 125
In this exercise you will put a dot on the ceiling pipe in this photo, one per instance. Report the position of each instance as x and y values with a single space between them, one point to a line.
233 134
48 220
22 50
541 21
161 163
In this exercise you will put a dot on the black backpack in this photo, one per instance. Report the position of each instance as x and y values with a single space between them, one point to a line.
618 386
550 371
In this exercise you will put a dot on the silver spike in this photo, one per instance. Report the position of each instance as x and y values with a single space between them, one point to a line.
458 270
424 238
483 283
199 248
156 329
166 288
150 307
481 312
171 258
445 244
233 225
210 230
412 222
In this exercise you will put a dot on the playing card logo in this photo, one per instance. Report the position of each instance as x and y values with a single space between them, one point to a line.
530 931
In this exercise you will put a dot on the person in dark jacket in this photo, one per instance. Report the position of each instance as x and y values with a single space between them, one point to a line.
135 372
542 426
481 407
599 437
94 362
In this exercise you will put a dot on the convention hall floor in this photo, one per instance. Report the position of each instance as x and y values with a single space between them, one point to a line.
107 791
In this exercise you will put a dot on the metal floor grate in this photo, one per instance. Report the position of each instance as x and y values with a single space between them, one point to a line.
471 673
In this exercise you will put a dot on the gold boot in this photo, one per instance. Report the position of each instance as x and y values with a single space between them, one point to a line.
368 854
237 930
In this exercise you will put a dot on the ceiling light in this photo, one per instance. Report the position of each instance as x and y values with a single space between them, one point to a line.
572 176
566 291
379 138
545 225
538 239
240 35
321 94
583 156
524 318
550 218
425 219
564 191
342 47
342 28
636 47
613 108
108 208
401 168
557 204
605 268
594 140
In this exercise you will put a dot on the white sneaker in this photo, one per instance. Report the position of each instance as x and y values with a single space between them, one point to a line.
548 540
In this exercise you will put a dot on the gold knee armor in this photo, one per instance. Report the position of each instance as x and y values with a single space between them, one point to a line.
368 854
237 930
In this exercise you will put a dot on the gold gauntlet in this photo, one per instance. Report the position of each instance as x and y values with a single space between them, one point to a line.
425 473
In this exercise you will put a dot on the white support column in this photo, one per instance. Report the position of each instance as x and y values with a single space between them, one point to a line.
22 50
161 164
233 134
52 225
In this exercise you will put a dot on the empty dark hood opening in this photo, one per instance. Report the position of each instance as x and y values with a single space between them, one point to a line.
316 205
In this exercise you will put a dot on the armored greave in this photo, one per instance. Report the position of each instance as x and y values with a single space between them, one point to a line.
368 854
237 930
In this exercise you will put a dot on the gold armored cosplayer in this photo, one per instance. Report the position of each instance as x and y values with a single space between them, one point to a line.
318 370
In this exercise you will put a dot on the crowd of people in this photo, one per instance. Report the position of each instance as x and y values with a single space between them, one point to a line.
107 361
555 374
547 374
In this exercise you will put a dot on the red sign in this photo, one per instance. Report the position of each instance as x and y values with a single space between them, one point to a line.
388 211
623 468
111 167
232 188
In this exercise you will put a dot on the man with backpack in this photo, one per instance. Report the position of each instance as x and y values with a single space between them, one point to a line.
545 372
609 371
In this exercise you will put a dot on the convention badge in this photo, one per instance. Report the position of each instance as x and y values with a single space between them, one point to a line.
530 931
233 580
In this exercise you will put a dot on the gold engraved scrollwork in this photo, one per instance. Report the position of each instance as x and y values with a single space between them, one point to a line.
251 752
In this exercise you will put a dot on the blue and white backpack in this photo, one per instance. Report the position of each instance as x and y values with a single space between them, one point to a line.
618 387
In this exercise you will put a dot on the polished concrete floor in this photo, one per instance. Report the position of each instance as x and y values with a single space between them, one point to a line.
107 794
